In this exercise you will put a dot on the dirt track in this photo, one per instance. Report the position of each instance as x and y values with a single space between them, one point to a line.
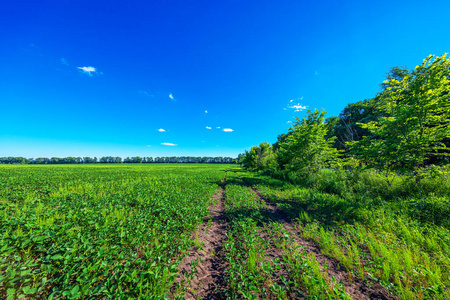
209 281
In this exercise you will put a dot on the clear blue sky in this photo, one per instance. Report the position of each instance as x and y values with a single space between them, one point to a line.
95 78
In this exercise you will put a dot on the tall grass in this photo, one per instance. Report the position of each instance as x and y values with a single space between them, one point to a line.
426 199
382 228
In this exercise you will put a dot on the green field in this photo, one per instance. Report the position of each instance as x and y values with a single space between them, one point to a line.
114 231
124 231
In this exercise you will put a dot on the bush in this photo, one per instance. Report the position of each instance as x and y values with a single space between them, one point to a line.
431 210
330 181
360 184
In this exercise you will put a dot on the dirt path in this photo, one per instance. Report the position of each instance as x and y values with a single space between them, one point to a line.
209 281
357 289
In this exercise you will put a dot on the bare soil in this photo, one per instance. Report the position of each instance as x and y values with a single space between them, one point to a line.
209 280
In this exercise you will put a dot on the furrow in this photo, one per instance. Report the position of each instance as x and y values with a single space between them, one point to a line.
201 273
354 287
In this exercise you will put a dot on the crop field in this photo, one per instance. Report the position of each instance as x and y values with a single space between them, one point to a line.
193 231
72 232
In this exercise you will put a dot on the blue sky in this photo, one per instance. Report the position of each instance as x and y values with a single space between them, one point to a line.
195 78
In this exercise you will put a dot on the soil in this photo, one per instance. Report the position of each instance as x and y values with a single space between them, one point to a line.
209 281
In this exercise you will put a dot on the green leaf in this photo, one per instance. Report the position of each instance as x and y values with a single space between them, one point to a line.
27 290
57 257
11 291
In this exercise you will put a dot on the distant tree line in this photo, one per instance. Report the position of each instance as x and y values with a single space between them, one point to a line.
405 127
112 159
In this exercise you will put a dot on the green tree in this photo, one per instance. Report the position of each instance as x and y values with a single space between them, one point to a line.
260 158
416 121
306 149
346 128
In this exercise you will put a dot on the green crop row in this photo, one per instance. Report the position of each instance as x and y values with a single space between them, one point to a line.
249 273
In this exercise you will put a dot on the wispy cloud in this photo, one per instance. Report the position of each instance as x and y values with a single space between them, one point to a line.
161 130
146 94
64 61
206 111
218 127
149 145
296 99
228 130
315 73
207 127
168 144
172 97
289 122
88 70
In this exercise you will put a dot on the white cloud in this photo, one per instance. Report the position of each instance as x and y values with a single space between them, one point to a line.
297 106
64 61
289 122
172 97
207 127
168 144
218 127
228 130
206 111
88 70
161 130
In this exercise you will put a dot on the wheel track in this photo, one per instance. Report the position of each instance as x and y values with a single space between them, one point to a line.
357 289
209 280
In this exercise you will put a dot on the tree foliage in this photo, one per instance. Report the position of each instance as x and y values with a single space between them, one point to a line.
345 127
306 150
416 121
260 158
303 150
404 127
111 159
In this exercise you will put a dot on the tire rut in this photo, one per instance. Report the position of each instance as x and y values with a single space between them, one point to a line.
208 281
357 289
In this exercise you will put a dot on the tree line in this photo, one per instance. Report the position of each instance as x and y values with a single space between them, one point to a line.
404 128
112 159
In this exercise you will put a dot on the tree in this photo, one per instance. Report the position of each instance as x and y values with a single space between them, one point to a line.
346 129
306 150
260 158
416 121
280 140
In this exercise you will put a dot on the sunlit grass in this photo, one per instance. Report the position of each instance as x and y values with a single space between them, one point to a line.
374 241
